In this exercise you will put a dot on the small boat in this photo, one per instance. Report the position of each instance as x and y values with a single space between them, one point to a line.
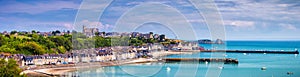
220 67
263 68
168 69
290 73
225 55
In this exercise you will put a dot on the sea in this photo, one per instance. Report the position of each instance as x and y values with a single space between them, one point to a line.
250 64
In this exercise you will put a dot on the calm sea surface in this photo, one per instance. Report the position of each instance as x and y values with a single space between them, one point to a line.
277 65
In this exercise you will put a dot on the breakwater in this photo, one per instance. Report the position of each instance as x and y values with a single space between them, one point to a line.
246 51
225 60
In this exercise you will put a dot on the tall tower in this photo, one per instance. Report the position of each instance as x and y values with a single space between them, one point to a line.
83 29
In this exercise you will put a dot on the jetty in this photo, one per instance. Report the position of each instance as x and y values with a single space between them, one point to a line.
245 51
225 60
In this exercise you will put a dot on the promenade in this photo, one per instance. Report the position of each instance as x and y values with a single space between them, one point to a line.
59 70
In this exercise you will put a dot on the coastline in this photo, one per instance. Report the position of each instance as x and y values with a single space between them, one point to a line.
60 71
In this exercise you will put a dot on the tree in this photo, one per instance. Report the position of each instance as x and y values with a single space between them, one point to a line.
97 33
57 31
35 37
33 31
136 42
150 32
62 49
62 41
13 32
68 32
120 41
2 41
32 44
31 48
9 68
5 48
103 33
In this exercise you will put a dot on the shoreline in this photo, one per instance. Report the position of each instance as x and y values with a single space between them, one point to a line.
60 71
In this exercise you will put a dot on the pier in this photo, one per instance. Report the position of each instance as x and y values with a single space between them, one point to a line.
246 51
225 60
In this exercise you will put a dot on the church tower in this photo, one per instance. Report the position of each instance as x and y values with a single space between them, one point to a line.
83 29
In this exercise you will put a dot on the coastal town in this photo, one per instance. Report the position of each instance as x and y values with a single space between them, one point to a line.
34 59
149 38
96 55
162 46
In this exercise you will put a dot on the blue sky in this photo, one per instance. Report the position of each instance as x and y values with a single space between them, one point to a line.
243 19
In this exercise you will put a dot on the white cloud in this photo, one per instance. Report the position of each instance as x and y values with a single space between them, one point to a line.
240 26
68 25
95 24
258 10
240 23
141 2
196 20
38 7
184 3
284 5
287 26
134 3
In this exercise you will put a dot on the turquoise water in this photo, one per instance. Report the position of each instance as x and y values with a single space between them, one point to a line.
249 64
259 45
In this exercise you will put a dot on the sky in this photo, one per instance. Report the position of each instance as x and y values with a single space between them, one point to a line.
243 19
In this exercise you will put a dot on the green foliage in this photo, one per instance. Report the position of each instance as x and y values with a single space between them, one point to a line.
13 32
32 48
9 68
80 43
102 42
30 44
62 49
33 31
62 41
136 42
120 41
35 44
7 49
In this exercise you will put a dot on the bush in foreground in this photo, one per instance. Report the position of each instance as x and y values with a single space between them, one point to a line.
9 68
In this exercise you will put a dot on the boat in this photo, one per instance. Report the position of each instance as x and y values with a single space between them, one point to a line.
263 68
